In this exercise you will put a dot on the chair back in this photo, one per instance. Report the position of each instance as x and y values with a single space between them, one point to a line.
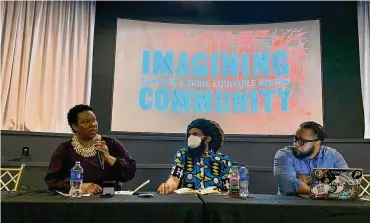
365 185
10 178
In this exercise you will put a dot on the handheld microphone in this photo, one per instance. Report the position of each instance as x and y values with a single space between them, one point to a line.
97 138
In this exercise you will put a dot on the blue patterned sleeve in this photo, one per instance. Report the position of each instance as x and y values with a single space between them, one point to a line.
178 164
227 167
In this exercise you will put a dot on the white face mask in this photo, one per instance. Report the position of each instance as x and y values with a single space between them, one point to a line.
194 141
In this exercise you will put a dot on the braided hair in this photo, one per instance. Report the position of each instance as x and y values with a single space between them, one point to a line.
316 128
211 129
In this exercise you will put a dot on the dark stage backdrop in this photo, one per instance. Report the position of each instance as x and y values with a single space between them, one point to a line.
343 109
341 79
154 155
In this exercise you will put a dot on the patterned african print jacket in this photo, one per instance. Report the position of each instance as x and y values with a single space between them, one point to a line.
201 172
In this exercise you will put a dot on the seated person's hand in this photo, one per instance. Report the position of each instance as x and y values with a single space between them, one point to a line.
164 188
90 188
303 178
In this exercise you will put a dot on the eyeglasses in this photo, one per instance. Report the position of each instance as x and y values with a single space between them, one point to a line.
302 141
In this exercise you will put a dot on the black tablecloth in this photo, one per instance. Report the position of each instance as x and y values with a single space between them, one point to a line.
275 209
50 207
42 207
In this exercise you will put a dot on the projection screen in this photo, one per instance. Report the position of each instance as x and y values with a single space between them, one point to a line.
252 79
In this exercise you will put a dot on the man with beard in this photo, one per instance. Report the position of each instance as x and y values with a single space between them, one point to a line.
199 165
293 165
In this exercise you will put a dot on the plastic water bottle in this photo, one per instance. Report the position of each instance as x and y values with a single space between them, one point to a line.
243 181
76 180
234 181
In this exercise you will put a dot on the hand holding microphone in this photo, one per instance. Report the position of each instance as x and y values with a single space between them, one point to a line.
102 148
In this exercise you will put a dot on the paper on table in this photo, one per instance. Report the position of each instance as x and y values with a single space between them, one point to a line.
67 195
129 192
209 190
186 190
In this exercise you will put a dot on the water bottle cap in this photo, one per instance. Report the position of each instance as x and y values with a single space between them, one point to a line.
235 164
77 162
242 164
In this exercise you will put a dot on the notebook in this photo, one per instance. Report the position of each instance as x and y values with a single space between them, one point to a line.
208 190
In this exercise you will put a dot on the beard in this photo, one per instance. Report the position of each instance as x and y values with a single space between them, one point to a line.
198 151
300 154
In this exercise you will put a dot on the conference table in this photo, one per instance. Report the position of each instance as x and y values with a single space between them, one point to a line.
55 208
51 207
264 208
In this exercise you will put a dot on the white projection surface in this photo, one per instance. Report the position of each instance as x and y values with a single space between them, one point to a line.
252 79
